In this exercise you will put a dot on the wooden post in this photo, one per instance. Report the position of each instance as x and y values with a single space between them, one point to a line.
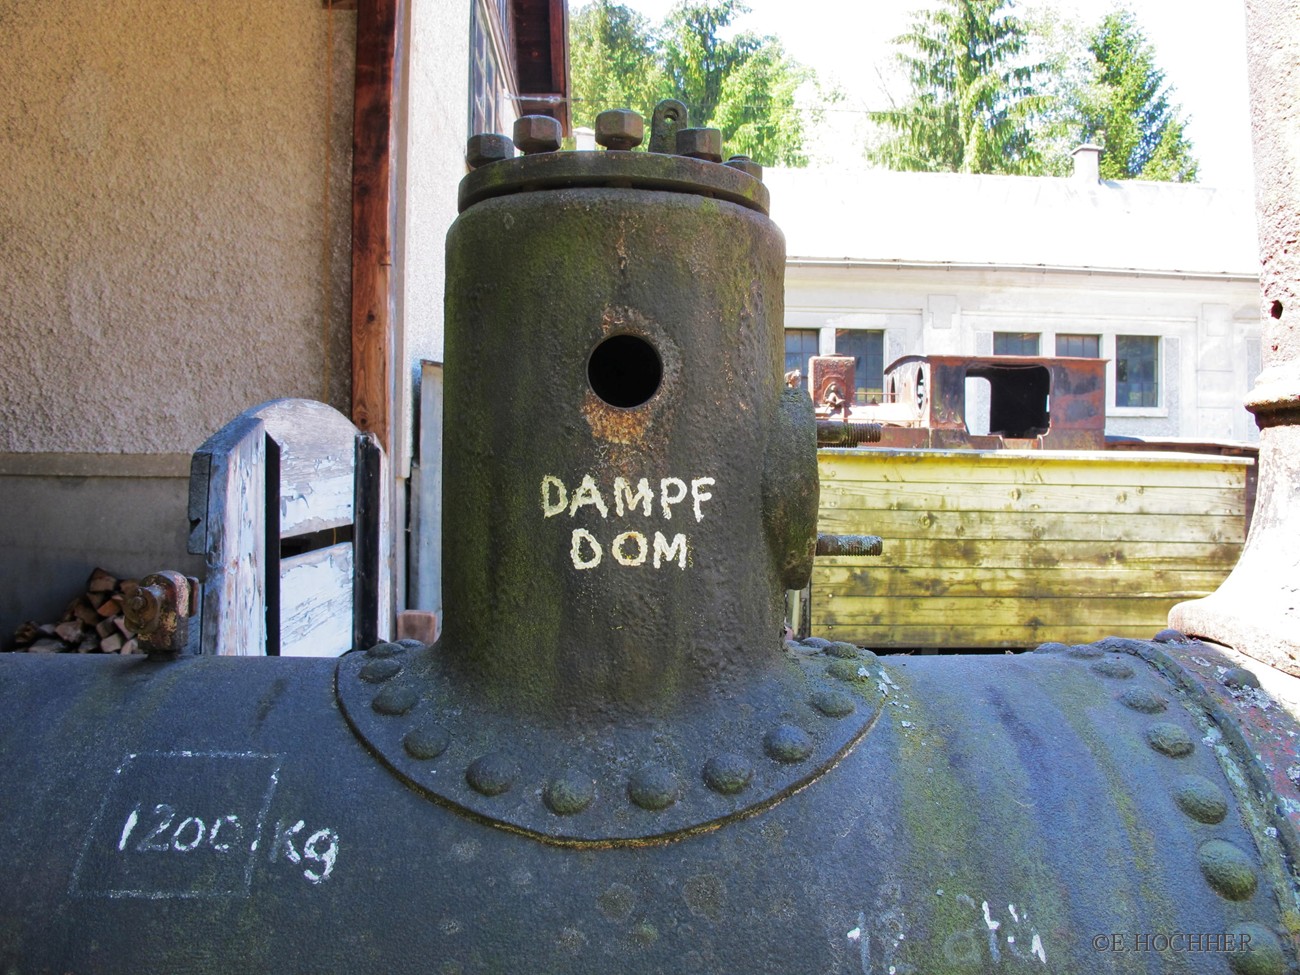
372 223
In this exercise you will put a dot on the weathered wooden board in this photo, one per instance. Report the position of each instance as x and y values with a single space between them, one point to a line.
228 519
1087 554
1158 468
317 464
909 582
1010 549
316 603
971 495
990 610
1044 526
289 469
982 638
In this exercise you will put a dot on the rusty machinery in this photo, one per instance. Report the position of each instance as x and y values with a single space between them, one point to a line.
610 761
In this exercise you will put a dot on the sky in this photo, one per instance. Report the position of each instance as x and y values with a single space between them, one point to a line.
1200 47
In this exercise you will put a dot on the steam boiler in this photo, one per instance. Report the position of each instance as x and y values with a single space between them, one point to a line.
611 761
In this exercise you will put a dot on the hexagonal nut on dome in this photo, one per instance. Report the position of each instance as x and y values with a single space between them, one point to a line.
488 147
619 128
746 165
537 133
700 144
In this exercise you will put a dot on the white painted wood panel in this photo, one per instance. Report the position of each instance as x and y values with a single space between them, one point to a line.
317 463
316 603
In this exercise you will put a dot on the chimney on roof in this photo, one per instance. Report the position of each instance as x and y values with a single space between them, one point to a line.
1087 163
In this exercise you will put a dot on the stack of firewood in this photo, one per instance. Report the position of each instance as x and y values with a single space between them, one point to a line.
92 623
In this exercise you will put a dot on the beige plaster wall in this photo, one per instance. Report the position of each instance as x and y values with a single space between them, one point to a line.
164 217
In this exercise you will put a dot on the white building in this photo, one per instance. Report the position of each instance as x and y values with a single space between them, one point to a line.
1161 279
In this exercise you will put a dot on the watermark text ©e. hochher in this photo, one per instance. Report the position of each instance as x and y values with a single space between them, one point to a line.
1177 942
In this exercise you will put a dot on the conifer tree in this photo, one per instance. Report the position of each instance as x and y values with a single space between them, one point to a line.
973 93
1126 108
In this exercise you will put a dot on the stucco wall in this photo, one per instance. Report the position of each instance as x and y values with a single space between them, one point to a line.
173 254
165 215
436 129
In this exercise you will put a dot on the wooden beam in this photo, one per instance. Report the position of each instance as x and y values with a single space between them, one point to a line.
559 24
372 223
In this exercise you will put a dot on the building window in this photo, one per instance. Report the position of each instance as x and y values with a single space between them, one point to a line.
800 346
1015 343
867 346
1136 372
1079 346
489 75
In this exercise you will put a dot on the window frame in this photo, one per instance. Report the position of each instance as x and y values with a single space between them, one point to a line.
804 370
866 391
1069 336
497 109
1019 337
1159 381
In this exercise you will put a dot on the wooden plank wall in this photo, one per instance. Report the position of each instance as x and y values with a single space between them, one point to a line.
1015 548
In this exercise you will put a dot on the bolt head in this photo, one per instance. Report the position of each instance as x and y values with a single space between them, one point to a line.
619 128
746 165
700 144
487 147
537 133
143 609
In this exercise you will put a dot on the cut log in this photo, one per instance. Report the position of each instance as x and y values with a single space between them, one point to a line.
47 646
69 632
85 612
101 581
112 643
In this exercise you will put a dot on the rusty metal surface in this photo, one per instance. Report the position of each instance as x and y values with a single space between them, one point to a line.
831 384
670 116
488 148
775 735
619 129
535 134
618 555
642 170
1249 723
1008 813
847 433
934 388
160 609
703 144
610 761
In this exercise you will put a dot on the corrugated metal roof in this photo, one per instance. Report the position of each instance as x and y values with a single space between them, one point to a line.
954 218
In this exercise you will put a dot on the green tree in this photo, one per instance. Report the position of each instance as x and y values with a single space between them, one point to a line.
744 85
697 61
613 62
757 111
1126 108
974 95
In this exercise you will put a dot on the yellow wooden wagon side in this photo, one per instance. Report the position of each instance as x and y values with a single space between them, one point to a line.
1013 548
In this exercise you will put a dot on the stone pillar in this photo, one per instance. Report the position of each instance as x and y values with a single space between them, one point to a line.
1257 609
